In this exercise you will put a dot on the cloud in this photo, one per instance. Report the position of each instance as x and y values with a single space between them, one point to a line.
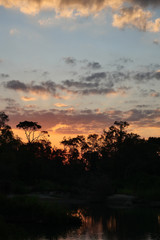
145 3
132 16
46 73
96 76
63 8
60 105
94 65
70 60
142 106
3 75
154 93
84 121
79 84
98 83
13 31
31 106
96 91
16 85
125 60
145 76
28 99
44 87
7 100
136 17
156 41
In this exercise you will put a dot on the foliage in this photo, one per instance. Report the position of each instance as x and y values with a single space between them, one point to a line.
30 128
86 166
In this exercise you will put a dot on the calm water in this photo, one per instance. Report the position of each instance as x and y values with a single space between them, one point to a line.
99 223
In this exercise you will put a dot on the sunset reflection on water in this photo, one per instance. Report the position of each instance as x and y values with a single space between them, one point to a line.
116 224
92 228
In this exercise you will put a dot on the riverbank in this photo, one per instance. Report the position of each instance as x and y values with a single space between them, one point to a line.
32 209
113 201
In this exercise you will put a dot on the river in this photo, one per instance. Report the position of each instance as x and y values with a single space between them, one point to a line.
98 223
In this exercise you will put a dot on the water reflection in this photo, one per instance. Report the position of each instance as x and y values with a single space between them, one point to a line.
117 224
99 223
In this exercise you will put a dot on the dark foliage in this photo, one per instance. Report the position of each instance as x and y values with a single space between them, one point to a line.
116 161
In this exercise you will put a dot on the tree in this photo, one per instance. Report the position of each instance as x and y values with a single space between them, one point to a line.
30 128
3 119
122 125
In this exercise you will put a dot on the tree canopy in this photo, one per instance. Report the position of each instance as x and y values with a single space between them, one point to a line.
30 128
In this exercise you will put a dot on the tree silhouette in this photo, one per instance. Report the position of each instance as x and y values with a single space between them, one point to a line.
30 128
6 133
122 125
3 119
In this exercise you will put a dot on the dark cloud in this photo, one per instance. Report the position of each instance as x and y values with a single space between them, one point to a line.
86 111
70 60
76 84
46 73
96 76
144 76
145 3
147 115
32 87
96 91
16 85
125 60
3 75
117 76
142 106
94 65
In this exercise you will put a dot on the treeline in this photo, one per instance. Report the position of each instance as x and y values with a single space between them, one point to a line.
94 167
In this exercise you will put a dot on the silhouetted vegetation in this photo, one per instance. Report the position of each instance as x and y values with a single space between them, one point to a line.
92 167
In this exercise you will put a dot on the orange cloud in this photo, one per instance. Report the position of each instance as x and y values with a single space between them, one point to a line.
131 17
60 105
28 99
64 8
136 17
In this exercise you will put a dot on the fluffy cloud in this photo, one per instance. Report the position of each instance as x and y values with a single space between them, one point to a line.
69 7
65 8
137 18
134 16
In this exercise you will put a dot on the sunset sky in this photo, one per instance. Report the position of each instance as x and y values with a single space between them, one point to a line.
76 66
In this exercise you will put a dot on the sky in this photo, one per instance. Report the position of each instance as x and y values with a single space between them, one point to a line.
76 66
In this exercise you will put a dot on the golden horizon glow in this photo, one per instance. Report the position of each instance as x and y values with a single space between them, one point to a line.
56 138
